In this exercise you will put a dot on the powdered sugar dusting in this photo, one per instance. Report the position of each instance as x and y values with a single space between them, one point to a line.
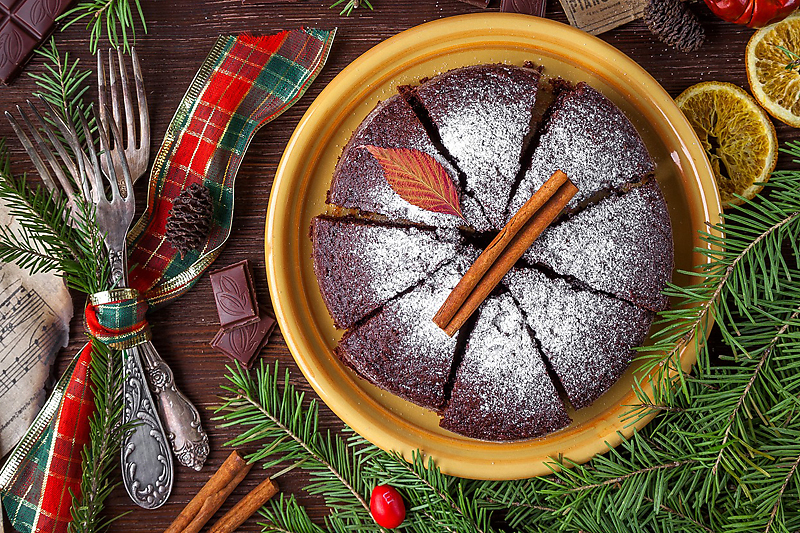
359 181
400 348
502 390
588 338
483 115
590 139
361 265
623 246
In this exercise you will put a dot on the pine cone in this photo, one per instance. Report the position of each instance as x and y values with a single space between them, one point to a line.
189 220
674 24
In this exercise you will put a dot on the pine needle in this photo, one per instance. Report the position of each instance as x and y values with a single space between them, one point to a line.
350 5
114 18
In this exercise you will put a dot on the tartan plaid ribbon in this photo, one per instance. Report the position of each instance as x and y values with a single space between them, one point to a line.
244 83
117 318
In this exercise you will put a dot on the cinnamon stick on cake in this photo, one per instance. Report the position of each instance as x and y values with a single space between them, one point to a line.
504 251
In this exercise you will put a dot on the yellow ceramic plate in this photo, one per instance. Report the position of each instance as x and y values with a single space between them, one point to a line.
304 175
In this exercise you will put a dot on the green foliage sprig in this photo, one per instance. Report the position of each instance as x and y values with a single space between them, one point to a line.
721 454
274 412
49 240
343 468
349 5
115 18
46 241
64 86
101 457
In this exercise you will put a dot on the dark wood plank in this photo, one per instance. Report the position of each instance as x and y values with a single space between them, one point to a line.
180 34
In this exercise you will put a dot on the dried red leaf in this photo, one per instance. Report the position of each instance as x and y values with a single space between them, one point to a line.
419 179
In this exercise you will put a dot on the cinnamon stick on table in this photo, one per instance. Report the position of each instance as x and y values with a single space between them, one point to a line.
504 251
211 497
246 507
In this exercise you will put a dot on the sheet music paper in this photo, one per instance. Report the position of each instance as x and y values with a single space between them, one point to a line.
34 325
598 16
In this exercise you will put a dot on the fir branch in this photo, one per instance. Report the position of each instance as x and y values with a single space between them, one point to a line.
489 499
289 433
439 497
64 86
620 479
777 505
285 515
115 17
46 240
703 302
350 5
100 456
681 515
749 386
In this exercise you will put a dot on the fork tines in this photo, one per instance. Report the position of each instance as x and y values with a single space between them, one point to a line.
82 170
136 146
75 170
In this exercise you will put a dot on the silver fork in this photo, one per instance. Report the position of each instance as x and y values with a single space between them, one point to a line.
136 146
180 417
147 470
64 182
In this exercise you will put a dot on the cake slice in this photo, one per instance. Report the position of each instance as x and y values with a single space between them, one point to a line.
358 179
622 246
587 338
482 115
400 349
502 390
361 265
592 141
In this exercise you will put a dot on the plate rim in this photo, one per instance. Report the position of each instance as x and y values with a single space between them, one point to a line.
515 24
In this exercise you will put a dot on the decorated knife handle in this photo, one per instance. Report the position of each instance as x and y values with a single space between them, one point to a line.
180 417
147 471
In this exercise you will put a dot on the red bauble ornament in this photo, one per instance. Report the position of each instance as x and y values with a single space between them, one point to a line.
387 507
753 13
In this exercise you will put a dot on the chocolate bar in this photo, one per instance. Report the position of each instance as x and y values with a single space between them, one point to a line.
243 344
235 295
24 24
477 3
527 7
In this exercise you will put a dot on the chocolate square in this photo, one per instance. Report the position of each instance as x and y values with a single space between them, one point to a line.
243 344
24 24
477 3
526 7
235 295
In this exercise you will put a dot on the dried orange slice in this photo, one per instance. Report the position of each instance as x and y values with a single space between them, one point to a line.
775 87
737 135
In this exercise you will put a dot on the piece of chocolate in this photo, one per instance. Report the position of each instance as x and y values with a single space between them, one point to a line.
23 25
235 295
477 3
526 7
243 344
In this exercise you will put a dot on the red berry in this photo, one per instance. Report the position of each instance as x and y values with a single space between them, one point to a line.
386 506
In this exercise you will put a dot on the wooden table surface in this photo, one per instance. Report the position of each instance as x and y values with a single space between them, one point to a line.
180 34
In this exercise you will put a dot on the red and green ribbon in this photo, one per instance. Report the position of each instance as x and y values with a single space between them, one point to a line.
244 83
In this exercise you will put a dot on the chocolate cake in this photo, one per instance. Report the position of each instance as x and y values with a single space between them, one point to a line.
622 246
502 390
359 181
482 114
360 266
562 327
400 349
587 337
592 141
